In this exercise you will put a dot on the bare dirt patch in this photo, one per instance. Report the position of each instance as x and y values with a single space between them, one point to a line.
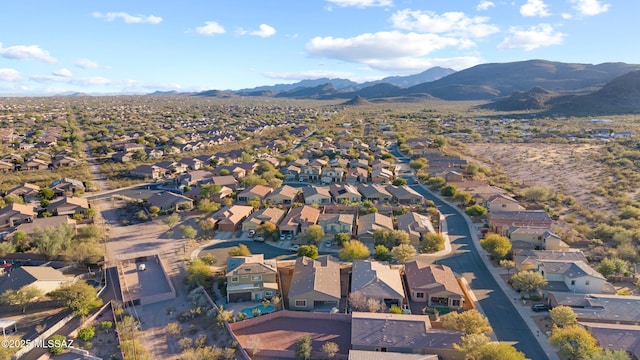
566 168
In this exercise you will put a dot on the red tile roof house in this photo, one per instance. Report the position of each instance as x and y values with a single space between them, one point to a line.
434 285
500 220
298 220
230 218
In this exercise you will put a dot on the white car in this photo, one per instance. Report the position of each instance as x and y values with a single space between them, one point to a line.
294 248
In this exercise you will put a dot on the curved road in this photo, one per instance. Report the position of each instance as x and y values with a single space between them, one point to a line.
465 260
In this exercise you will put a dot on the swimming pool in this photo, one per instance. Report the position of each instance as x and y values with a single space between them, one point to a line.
249 312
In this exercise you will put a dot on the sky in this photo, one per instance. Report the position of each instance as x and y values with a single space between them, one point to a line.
117 46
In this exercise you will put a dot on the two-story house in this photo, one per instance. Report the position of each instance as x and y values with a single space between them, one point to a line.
337 223
251 278
332 175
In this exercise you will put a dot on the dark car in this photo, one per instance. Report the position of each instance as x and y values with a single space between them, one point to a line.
540 307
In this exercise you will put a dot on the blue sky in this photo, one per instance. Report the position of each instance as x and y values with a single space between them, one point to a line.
115 46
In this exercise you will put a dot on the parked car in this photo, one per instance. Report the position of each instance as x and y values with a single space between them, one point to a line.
259 239
294 248
252 233
540 307
328 243
289 236
283 237
142 267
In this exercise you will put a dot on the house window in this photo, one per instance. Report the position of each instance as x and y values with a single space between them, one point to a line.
504 205
573 282
256 277
587 282
234 279
301 303
455 302
268 293
419 295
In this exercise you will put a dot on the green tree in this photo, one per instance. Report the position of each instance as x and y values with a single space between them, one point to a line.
430 243
12 346
403 252
313 234
197 273
303 348
87 333
189 232
255 202
507 264
240 250
390 238
528 281
536 193
342 238
22 297
448 190
13 199
381 253
45 194
7 248
207 206
612 266
563 316
471 345
475 210
462 197
79 297
209 259
500 351
399 182
435 183
574 342
310 251
207 225
468 322
106 325
418 164
171 220
606 354
330 349
497 246
58 342
353 250
268 230
207 191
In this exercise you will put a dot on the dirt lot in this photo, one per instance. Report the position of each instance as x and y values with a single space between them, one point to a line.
568 168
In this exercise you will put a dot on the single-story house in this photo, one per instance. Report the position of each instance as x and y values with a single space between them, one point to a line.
284 195
16 214
230 218
256 191
316 195
315 284
369 223
45 278
259 217
298 220
168 200
337 223
416 225
377 280
404 194
69 206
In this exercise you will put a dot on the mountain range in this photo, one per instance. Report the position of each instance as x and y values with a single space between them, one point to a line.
523 85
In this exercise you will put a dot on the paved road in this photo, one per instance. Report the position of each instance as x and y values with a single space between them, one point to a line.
506 321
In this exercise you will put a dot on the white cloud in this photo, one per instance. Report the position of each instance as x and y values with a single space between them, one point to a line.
454 23
566 16
361 3
9 75
310 74
210 28
88 64
590 7
485 5
88 81
534 8
264 32
129 19
532 38
388 51
23 52
63 73
366 47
